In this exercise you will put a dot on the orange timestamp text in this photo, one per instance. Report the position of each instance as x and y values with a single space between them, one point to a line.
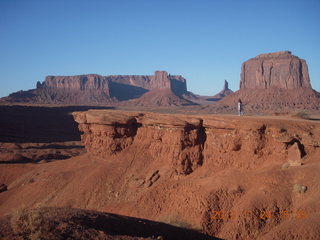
263 214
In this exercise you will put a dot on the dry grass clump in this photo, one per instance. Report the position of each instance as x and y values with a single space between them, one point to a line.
33 224
181 224
300 188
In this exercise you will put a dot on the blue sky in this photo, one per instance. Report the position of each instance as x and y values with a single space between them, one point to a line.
204 40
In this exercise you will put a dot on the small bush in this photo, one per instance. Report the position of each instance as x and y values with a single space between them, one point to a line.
33 224
285 165
176 221
180 223
299 188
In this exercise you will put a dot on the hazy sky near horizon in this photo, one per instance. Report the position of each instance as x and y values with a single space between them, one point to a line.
206 41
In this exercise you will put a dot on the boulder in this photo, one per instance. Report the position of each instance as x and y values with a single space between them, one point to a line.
294 155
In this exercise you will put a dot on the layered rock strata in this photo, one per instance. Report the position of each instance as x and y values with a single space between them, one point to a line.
193 167
107 133
160 80
272 83
93 88
186 142
279 69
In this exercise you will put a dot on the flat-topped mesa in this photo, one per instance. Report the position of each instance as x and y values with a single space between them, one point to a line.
280 69
97 89
160 80
76 83
280 54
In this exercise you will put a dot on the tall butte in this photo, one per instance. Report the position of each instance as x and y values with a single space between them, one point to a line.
274 82
280 69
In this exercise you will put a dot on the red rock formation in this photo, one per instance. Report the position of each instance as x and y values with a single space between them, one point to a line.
107 133
279 69
225 91
77 83
273 82
160 80
204 147
179 139
294 155
159 98
187 170
270 100
93 88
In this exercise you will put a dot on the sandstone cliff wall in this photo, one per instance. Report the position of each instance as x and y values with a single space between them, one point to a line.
188 142
280 69
187 168
108 133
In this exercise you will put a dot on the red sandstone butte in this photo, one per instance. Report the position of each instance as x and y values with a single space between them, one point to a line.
279 69
272 82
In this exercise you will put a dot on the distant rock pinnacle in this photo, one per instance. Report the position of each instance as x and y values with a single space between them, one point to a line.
225 91
226 86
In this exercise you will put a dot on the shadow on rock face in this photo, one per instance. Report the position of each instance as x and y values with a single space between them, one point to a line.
21 124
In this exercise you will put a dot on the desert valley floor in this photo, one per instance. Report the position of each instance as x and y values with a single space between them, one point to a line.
148 175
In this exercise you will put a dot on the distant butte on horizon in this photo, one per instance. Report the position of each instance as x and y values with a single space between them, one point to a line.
97 89
270 78
273 82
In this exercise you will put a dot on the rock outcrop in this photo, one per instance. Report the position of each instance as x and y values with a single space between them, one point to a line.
225 91
279 69
182 140
294 155
107 133
176 160
95 89
159 98
76 83
160 80
273 82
